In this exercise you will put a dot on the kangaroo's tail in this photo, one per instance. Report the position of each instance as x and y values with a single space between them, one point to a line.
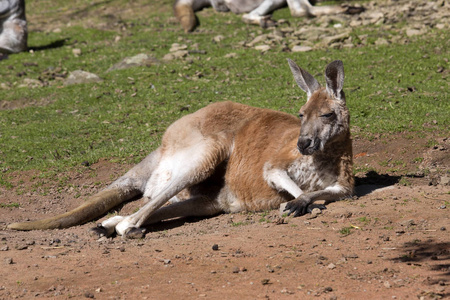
96 206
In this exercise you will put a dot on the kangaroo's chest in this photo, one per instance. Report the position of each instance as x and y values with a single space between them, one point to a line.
311 175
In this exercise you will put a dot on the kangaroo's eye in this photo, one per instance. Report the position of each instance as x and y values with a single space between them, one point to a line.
327 115
300 116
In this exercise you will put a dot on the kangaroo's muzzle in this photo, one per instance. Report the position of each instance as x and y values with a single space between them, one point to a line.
307 145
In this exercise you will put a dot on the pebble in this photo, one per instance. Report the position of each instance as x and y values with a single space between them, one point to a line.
299 48
262 48
331 266
21 247
9 261
79 77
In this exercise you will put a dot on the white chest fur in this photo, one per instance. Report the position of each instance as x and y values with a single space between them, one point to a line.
310 175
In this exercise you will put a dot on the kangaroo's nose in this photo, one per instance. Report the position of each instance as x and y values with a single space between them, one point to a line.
303 144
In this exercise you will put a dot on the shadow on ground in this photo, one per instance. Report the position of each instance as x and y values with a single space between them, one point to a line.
431 253
52 45
374 182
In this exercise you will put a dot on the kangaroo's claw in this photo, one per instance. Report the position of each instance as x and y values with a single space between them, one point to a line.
99 231
134 233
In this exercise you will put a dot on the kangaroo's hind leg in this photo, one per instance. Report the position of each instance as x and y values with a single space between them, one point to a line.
176 171
134 180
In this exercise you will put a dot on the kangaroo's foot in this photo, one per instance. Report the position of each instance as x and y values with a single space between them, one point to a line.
134 233
301 206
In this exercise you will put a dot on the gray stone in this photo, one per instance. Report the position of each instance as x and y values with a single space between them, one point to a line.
134 61
79 76
300 48
263 48
30 83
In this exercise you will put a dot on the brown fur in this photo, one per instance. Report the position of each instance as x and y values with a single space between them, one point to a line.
185 15
230 157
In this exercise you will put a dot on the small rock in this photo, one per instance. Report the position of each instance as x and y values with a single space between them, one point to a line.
445 180
30 83
218 38
4 248
79 77
76 52
316 211
354 255
141 59
331 266
177 47
235 270
381 42
168 57
89 295
231 55
180 53
257 40
21 247
262 48
335 38
9 261
387 284
265 281
412 32
299 48
215 247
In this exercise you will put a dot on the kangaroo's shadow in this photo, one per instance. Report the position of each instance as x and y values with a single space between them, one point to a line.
174 223
374 182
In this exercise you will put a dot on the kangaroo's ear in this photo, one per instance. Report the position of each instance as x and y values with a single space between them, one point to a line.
304 80
334 75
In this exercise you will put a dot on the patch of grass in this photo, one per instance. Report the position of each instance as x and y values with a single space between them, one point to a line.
237 224
431 143
58 127
418 160
404 181
346 230
10 205
364 220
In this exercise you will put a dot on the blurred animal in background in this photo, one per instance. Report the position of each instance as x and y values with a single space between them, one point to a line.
13 26
255 11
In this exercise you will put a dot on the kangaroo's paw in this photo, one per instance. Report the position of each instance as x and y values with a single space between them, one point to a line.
298 207
134 233
100 231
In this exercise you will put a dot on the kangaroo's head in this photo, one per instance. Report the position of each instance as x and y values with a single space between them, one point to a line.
324 117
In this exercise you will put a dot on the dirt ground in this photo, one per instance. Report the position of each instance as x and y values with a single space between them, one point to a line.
392 243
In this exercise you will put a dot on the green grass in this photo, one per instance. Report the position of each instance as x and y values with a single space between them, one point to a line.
9 205
56 127
346 230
